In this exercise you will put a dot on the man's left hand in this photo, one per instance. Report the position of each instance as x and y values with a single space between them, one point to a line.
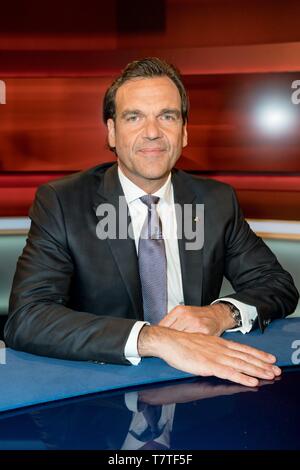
210 320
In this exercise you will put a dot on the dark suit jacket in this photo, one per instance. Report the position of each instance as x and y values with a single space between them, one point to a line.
77 297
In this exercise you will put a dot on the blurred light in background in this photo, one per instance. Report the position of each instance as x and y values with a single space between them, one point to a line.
274 117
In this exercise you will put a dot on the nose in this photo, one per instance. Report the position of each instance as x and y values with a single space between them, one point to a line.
152 130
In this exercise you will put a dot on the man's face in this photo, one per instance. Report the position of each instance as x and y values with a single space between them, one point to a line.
148 132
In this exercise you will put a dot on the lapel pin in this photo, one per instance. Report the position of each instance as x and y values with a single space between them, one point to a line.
196 219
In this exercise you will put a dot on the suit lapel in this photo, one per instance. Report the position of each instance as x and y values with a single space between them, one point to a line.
191 260
123 250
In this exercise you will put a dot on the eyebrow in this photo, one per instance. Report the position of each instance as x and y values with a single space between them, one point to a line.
171 111
175 111
130 111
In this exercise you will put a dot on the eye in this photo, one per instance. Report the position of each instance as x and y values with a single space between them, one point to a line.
168 117
132 118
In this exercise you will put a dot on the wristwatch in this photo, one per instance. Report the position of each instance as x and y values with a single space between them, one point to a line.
235 313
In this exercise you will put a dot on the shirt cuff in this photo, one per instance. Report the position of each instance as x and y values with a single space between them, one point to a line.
248 314
131 401
131 349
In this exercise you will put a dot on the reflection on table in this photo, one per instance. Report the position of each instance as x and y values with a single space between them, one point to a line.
194 413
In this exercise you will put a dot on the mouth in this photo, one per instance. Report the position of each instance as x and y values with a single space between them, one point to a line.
151 150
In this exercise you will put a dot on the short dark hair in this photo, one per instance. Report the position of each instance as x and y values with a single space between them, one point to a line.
145 68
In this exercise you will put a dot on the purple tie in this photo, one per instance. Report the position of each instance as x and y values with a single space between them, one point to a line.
153 263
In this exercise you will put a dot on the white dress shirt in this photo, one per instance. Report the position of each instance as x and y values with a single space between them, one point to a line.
166 211
138 424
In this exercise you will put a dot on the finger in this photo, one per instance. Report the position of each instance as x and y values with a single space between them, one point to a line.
190 326
264 356
176 321
246 367
229 373
167 321
254 360
180 325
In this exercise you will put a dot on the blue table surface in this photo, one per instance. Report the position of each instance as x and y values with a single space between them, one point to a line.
26 379
207 413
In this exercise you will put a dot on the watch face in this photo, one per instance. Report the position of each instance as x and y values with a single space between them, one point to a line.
237 317
236 314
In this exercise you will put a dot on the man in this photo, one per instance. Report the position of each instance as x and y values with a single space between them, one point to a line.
78 296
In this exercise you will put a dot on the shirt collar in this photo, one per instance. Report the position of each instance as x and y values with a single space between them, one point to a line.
133 192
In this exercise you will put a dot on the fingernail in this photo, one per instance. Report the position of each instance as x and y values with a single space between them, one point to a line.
277 370
253 382
269 374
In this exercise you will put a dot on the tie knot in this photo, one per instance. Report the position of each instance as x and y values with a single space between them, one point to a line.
148 199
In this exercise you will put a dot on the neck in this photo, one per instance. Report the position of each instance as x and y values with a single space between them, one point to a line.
150 186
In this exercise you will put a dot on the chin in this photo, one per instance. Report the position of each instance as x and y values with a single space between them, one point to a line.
155 175
155 172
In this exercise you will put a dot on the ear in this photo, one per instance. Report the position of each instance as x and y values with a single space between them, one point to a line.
111 133
184 136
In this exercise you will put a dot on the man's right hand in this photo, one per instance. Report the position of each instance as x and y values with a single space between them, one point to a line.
206 355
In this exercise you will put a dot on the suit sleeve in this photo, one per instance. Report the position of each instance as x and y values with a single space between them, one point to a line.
39 320
255 272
